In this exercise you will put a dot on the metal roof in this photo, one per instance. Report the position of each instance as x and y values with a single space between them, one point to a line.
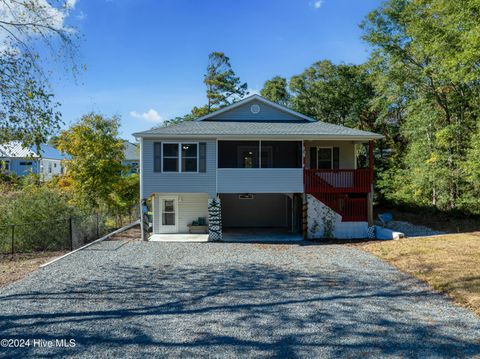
18 150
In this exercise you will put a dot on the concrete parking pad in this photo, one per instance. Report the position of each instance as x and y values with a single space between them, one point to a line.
293 300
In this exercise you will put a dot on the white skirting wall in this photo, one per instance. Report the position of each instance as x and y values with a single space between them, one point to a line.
318 214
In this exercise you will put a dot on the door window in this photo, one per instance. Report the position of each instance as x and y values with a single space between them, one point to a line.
168 213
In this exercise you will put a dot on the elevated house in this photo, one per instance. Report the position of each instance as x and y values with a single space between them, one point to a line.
46 161
270 167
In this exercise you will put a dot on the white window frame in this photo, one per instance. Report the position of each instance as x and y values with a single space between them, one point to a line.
180 144
331 156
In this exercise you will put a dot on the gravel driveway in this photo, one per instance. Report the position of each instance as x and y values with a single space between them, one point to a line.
134 299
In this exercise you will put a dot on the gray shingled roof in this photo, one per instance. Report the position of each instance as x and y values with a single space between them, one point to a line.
252 129
130 151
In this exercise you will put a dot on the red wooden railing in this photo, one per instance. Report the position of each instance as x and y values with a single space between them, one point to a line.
351 209
337 181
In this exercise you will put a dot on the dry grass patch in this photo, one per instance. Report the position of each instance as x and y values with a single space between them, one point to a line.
13 268
449 263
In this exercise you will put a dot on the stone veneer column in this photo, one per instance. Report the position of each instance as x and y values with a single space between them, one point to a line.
214 219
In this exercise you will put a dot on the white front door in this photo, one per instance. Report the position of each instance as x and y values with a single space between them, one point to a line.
168 215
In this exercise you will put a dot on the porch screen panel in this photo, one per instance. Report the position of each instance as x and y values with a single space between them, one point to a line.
238 154
281 154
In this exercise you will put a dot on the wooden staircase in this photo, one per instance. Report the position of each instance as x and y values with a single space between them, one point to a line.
352 209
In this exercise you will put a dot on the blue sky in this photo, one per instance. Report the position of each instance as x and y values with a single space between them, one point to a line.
145 59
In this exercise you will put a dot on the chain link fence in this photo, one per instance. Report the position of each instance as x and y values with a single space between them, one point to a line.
63 234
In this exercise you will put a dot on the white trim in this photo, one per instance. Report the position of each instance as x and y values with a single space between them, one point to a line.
154 212
216 166
142 229
258 98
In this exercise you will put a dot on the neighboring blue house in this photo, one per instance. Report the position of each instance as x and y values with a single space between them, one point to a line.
268 165
132 157
21 160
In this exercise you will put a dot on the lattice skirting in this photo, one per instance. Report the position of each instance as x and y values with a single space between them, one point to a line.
214 219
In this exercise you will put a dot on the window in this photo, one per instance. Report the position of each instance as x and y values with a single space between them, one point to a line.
170 157
180 157
49 168
168 213
324 158
25 163
189 157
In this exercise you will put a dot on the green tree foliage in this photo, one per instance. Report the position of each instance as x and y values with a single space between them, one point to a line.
95 168
339 94
425 66
27 112
276 90
223 86
124 196
32 33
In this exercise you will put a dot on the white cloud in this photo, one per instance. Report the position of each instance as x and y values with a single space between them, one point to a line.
151 115
316 3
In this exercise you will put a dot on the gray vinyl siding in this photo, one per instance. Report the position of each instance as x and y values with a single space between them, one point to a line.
267 113
258 180
158 182
190 207
55 165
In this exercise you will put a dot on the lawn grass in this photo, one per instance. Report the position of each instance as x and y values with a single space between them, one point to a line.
449 263
13 268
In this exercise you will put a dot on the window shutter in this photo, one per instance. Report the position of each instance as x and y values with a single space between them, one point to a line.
202 157
336 158
313 158
157 157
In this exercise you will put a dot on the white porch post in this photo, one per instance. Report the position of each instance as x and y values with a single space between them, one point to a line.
141 206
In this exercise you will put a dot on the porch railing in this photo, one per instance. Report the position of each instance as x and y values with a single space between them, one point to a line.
351 209
336 181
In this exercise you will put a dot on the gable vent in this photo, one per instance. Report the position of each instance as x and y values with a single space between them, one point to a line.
255 108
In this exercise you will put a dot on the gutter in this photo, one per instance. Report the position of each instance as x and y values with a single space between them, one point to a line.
305 137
